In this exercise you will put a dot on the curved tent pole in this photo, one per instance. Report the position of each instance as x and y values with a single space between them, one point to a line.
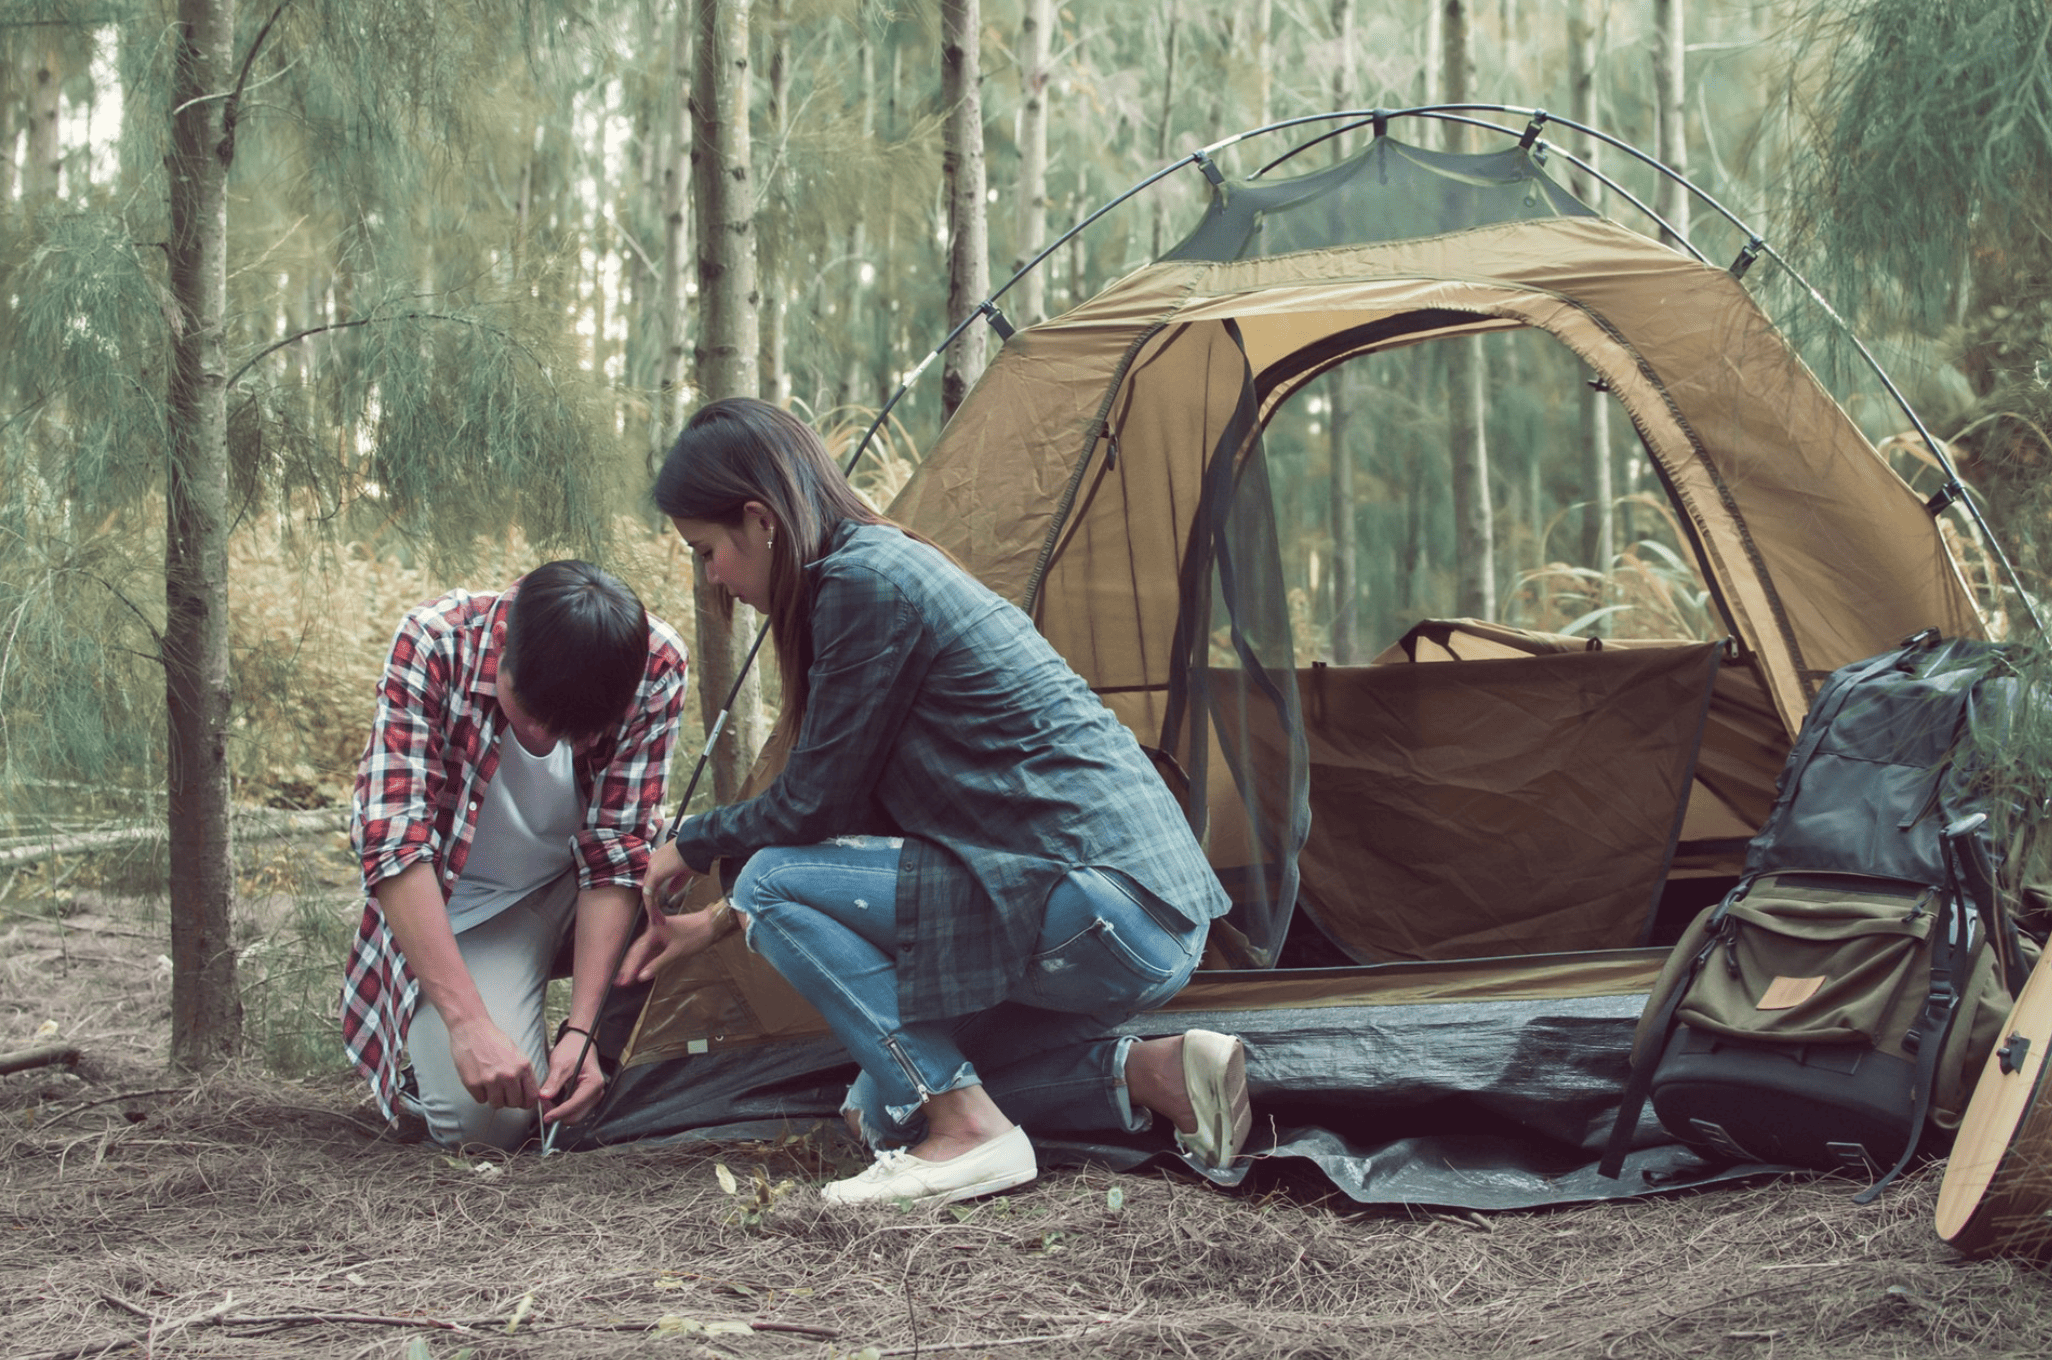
1955 489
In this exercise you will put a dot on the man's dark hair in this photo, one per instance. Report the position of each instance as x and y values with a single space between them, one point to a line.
576 647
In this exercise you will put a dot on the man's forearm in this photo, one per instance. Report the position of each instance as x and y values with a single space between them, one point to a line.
605 915
413 907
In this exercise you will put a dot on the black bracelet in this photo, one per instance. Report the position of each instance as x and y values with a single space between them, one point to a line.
567 1028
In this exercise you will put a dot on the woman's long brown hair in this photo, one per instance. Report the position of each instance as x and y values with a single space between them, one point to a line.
738 450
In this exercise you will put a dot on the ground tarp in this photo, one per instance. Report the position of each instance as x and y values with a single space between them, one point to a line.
1482 1084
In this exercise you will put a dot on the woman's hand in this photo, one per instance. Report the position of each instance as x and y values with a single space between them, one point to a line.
668 938
584 1085
667 874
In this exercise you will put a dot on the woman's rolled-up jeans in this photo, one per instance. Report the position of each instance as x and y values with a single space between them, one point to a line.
826 917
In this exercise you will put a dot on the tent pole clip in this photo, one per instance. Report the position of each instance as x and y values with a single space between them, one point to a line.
1211 170
1943 497
1532 130
1747 256
997 321
1380 117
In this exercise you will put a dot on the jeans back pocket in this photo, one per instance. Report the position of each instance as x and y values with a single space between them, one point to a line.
1104 951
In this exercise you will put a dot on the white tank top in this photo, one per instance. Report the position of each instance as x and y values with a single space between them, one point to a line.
523 836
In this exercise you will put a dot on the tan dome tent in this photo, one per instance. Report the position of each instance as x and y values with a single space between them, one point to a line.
1483 814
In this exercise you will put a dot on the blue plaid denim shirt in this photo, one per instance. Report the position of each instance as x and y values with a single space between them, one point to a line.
938 712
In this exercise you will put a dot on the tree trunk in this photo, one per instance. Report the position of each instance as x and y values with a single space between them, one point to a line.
43 154
1161 129
206 1011
1599 520
962 172
9 125
1030 209
865 342
1467 383
1263 54
728 342
673 166
775 380
1345 545
1670 98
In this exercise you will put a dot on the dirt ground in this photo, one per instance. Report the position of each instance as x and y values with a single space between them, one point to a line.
246 1215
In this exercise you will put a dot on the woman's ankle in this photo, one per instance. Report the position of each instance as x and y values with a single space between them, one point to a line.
1154 1079
960 1121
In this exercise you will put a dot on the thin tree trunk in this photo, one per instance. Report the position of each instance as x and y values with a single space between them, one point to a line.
672 182
728 342
1345 547
43 156
1030 210
962 172
776 381
1434 64
1467 385
206 1010
1264 73
1670 99
1599 520
855 387
9 126
1161 128
890 316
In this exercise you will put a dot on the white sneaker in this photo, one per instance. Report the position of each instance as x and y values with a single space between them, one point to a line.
1215 1070
1000 1164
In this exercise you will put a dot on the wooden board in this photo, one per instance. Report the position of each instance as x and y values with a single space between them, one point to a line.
1998 1184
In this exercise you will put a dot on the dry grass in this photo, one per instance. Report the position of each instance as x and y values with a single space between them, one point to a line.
250 1216
311 636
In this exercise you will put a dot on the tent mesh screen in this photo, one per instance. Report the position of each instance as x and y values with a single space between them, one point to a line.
1391 191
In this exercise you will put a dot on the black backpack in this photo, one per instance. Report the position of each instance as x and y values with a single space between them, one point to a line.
1836 1007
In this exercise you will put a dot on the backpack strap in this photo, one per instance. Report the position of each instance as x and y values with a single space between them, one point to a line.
1952 957
1969 872
1639 1085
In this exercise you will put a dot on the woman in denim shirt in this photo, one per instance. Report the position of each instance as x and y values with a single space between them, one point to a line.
967 863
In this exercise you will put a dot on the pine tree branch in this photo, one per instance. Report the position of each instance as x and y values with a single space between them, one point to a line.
225 148
156 637
297 336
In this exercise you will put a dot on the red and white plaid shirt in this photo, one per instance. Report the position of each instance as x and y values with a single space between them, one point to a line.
432 754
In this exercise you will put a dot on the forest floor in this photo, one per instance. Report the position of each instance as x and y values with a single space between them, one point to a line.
143 1213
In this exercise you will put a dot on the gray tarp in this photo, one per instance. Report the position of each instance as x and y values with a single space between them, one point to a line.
1467 1104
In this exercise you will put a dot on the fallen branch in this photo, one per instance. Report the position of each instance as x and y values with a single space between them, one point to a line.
125 1095
24 1059
249 824
794 1328
84 1350
217 1316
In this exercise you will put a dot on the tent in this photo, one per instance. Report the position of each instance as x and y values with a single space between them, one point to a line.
1486 832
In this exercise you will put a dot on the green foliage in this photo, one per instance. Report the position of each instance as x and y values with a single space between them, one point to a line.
2010 750
289 980
91 357
1934 140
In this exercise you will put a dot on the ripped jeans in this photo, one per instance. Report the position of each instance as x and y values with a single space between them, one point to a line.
826 917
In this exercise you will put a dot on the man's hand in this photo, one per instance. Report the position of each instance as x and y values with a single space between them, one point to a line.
583 1085
491 1066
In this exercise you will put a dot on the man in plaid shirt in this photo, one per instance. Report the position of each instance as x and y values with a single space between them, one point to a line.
513 782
